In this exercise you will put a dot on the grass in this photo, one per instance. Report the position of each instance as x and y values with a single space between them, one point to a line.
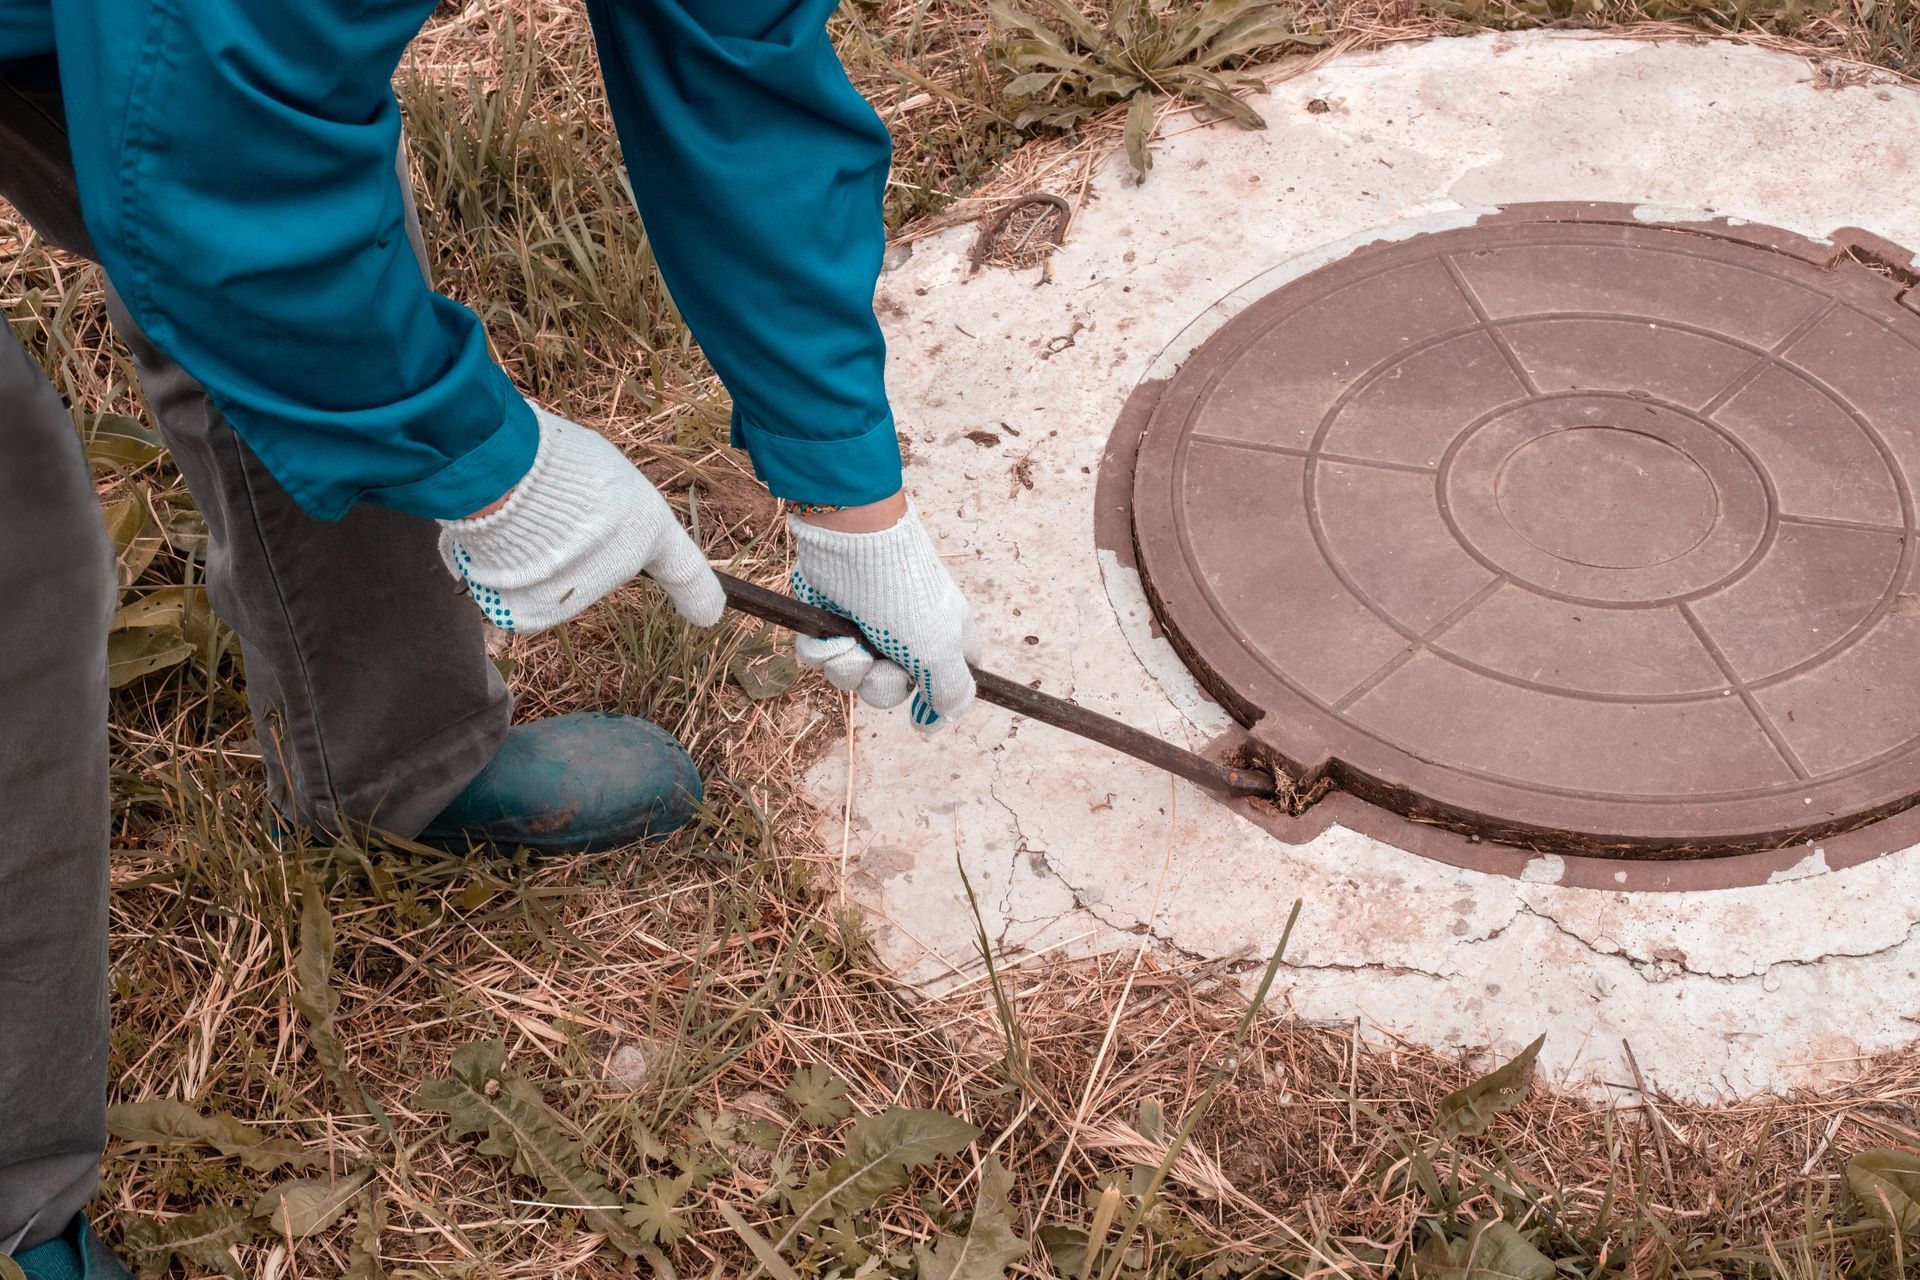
699 1070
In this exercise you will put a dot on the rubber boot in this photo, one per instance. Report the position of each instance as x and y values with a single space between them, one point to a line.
75 1254
576 783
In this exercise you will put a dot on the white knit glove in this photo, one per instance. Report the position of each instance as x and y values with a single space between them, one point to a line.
893 585
581 523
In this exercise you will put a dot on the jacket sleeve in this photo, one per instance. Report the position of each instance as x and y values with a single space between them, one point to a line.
236 170
760 174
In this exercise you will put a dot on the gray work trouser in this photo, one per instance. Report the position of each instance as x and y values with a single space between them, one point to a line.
371 692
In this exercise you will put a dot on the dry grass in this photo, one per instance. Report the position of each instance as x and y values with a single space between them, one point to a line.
664 1001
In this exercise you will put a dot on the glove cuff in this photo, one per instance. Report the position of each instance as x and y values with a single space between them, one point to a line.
541 518
884 570
886 561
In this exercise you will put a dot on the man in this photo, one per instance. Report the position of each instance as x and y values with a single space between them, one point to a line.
343 429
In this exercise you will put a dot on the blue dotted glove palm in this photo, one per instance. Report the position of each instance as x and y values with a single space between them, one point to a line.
891 584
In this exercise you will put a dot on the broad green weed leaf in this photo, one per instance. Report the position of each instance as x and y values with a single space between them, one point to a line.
1887 1182
762 670
1140 128
1470 1110
769 1256
1194 32
142 651
165 1122
841 1239
1083 29
115 441
205 1236
655 1212
363 1254
1031 84
1495 1251
163 607
299 1207
990 1246
1065 1247
1151 1122
184 528
820 1095
1261 26
881 1152
179 610
136 538
480 1096
313 993
127 517
1226 104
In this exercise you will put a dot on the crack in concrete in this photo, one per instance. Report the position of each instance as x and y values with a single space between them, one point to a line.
1673 961
1040 866
1661 966
1664 964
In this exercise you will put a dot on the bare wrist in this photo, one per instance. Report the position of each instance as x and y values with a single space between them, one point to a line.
492 507
870 517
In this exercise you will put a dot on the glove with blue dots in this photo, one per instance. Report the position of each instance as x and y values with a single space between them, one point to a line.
582 522
893 585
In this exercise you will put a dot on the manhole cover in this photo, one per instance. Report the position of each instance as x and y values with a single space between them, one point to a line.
1578 533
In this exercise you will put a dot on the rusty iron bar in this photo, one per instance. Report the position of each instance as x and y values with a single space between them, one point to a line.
785 611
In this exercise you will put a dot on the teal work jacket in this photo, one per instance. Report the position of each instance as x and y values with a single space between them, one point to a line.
235 164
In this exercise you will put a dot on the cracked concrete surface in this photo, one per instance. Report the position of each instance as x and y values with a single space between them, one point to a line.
1069 847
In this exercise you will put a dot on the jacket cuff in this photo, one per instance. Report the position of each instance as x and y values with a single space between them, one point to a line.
849 472
476 478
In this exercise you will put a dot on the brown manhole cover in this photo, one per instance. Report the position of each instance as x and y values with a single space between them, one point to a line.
1571 531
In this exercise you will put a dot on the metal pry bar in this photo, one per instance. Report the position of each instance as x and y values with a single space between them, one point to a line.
785 611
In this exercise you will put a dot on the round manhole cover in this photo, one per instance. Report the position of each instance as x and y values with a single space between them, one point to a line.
1582 533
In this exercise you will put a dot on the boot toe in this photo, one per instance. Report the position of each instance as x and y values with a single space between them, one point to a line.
575 783
75 1254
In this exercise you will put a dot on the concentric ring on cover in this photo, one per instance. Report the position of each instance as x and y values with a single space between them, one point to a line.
1577 532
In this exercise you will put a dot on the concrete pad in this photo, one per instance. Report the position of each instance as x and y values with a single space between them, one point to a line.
1008 386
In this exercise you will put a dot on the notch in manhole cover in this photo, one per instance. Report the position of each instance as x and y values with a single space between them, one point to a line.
1563 529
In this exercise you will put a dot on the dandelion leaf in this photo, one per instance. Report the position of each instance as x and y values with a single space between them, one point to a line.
165 1122
881 1152
991 1244
313 993
142 651
205 1236
300 1207
1494 1251
363 1253
1065 1247
1887 1182
1470 1110
1139 128
480 1096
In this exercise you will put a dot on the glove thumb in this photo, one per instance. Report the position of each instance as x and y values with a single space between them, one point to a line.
682 571
842 659
887 685
948 685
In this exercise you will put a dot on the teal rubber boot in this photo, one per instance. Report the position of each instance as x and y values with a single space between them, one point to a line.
75 1254
576 783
